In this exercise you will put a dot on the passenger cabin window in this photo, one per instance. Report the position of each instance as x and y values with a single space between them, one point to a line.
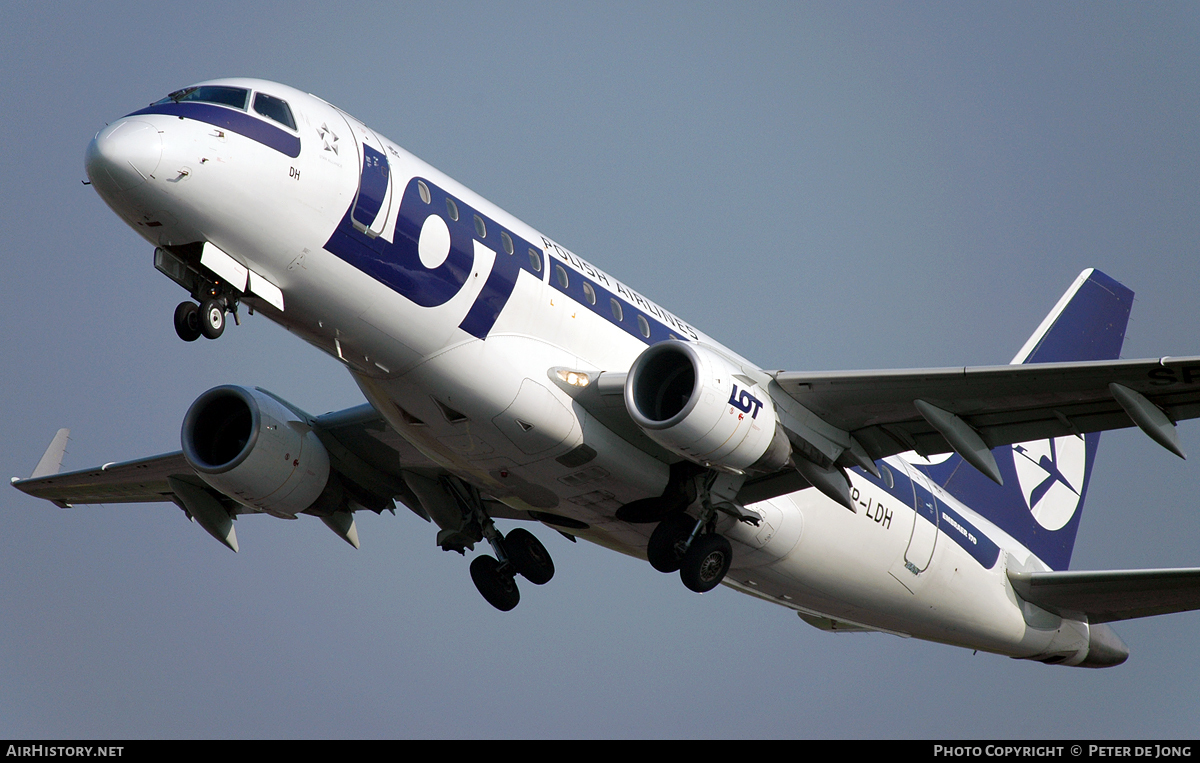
644 326
424 191
222 94
535 260
561 274
507 241
589 293
451 208
480 228
274 109
618 314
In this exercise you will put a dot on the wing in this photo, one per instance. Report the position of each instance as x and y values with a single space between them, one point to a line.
883 411
1107 596
368 456
140 481
1065 381
363 450
854 418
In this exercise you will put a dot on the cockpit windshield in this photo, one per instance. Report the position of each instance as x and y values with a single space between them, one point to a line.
222 94
274 108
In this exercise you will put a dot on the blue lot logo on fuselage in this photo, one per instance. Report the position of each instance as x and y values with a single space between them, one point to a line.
398 263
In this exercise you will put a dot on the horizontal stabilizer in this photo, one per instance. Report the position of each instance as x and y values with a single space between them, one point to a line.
1109 595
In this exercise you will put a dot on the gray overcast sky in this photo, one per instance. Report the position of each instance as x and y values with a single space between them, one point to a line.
820 186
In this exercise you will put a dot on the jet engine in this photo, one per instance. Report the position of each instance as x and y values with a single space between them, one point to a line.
254 449
700 405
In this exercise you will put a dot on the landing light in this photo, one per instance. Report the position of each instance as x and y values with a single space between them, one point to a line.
574 378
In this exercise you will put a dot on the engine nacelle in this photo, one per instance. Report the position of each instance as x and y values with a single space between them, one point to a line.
688 399
252 448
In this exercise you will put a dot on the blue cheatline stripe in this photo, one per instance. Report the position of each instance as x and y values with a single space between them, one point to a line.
659 332
398 264
951 524
230 119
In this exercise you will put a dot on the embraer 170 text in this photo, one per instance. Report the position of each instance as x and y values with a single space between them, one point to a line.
508 378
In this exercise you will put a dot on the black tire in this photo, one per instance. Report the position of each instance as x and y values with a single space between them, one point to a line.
529 556
661 551
187 321
212 318
706 562
499 589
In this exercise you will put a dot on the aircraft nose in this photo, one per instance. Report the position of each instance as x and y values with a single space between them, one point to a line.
124 154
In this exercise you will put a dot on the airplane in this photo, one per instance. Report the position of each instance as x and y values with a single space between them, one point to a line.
507 378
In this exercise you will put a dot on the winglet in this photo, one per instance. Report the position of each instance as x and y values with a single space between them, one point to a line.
51 462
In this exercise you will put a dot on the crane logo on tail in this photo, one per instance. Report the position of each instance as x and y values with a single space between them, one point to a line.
1051 475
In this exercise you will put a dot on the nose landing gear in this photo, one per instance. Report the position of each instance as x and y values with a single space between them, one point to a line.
208 319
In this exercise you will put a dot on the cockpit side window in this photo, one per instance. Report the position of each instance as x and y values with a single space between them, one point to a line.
222 94
274 108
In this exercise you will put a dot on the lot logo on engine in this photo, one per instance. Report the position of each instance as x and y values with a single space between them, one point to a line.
744 402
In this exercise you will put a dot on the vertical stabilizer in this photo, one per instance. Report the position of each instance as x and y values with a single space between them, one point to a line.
1045 481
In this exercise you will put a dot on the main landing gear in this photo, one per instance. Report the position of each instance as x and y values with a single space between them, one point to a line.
519 552
690 545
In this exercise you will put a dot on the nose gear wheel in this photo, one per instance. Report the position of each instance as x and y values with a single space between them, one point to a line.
187 321
212 318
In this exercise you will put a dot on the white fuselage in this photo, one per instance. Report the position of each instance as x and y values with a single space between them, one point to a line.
489 408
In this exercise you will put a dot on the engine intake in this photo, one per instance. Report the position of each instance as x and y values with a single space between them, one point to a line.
699 404
252 448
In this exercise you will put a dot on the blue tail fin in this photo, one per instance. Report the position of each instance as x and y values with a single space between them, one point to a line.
1045 481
